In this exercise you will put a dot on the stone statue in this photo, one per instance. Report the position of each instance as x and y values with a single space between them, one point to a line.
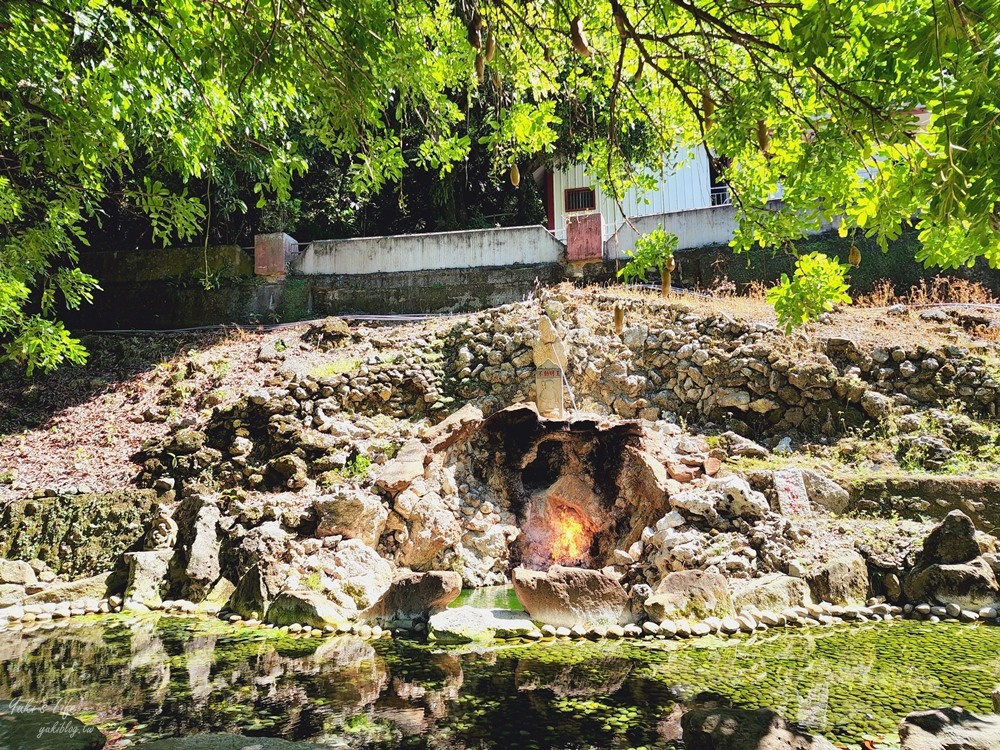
549 346
162 533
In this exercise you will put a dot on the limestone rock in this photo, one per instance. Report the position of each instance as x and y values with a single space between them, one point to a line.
773 591
305 607
351 513
690 593
442 436
949 729
876 405
415 596
95 587
790 487
970 585
842 579
360 572
483 558
250 598
197 567
266 547
730 728
570 596
17 572
147 576
738 500
474 625
289 471
825 492
431 528
408 464
951 541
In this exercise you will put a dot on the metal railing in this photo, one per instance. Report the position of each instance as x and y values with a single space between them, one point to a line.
720 195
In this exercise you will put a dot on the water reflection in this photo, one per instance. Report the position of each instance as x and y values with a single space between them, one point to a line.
166 676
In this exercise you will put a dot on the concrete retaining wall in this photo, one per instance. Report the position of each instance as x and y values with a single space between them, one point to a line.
480 248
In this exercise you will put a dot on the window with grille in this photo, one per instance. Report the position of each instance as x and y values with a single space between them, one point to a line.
580 199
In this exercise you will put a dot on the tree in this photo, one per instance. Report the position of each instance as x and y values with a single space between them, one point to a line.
653 251
101 97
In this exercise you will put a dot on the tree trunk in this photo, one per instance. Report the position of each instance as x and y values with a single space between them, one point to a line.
665 281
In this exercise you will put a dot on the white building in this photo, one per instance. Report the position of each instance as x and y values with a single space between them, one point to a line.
685 201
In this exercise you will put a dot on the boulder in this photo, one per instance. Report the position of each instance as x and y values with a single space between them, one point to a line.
24 725
11 593
949 729
431 528
842 579
482 558
455 427
359 571
774 591
93 587
738 500
147 576
825 492
288 471
351 513
790 488
951 541
970 585
197 566
690 593
305 607
266 547
474 625
572 596
408 464
17 572
730 728
250 598
218 595
414 596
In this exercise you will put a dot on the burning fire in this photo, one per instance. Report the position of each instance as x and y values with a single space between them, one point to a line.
571 539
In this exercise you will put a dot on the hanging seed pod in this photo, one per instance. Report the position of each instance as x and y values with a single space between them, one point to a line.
638 71
477 21
763 137
620 25
854 257
579 38
480 67
475 37
515 176
497 79
490 47
707 106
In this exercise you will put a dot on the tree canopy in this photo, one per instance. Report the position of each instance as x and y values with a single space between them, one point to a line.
880 112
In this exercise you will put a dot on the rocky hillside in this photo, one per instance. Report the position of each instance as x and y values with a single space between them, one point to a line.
322 461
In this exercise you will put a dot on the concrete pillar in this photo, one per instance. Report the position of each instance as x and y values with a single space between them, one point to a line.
585 238
272 253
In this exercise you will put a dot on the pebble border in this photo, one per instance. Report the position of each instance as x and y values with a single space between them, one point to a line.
26 618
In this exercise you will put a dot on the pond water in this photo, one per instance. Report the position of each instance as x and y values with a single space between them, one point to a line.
160 676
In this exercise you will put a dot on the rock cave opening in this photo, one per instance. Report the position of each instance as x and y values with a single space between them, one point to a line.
560 481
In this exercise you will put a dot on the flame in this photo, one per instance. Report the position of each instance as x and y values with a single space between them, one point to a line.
570 537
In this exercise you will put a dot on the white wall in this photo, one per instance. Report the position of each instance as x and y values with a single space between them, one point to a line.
423 252
682 188
699 227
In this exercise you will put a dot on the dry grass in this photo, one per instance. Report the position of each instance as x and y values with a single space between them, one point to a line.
938 291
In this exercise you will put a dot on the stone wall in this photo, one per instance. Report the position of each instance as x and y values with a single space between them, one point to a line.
669 363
